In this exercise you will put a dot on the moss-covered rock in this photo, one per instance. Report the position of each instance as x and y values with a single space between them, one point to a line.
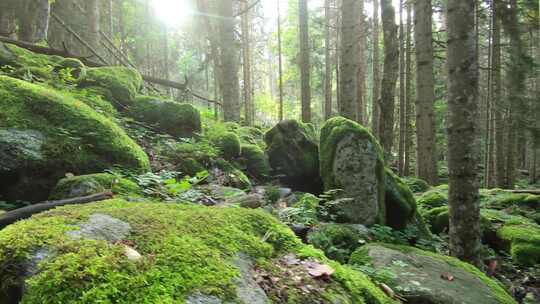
226 174
433 198
416 185
82 185
522 240
254 161
184 254
351 159
46 134
338 241
293 154
419 276
400 206
251 135
6 56
75 67
228 144
122 82
173 118
438 219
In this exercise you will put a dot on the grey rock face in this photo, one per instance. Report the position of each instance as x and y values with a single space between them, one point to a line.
6 56
102 227
18 147
355 169
248 291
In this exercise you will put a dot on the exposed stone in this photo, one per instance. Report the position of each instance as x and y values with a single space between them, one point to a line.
102 227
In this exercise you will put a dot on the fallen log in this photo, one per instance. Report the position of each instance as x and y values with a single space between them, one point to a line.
63 53
11 217
525 191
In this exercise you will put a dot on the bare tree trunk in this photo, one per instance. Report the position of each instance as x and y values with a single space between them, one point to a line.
7 18
304 60
361 78
327 63
463 144
90 31
390 75
280 62
426 158
489 140
349 60
246 52
408 96
337 53
34 20
376 91
402 106
516 76
229 62
498 104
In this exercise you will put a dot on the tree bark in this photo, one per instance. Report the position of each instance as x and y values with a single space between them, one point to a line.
246 55
34 20
7 18
498 103
280 63
402 106
90 32
376 91
361 78
327 63
349 60
426 158
304 60
390 75
462 130
408 95
229 62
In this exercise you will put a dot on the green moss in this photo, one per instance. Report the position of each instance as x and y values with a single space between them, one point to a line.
26 58
252 136
437 218
524 242
432 199
93 183
228 144
123 83
173 118
255 162
97 99
75 67
232 176
190 157
338 241
416 185
331 134
185 249
28 106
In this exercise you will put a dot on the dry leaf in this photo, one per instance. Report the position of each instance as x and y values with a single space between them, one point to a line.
317 270
447 276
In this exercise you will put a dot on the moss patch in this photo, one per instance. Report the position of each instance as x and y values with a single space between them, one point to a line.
185 249
255 162
173 118
123 83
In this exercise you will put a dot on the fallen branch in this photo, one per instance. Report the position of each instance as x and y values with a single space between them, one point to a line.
530 191
26 212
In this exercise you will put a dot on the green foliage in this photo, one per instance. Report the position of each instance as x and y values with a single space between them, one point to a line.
166 185
416 185
304 212
271 194
338 241
93 183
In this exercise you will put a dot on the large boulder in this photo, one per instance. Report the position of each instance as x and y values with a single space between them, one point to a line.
351 159
132 252
173 118
422 277
400 204
122 83
45 134
293 154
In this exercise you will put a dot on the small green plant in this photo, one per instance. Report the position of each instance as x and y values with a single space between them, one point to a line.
271 194
167 185
304 212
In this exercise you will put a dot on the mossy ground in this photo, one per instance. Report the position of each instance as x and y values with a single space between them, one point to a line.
185 249
123 83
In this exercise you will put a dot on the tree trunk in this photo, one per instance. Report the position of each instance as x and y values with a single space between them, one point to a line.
426 158
304 60
229 62
246 52
518 68
462 130
376 91
7 18
361 77
498 103
349 60
280 63
34 20
390 75
90 31
408 96
327 63
402 106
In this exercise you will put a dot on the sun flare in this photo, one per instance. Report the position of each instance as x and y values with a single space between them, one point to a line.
172 12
